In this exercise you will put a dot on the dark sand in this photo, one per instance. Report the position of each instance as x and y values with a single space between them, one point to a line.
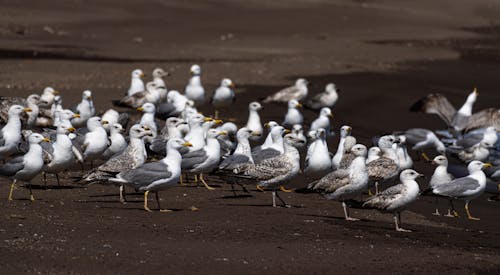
383 55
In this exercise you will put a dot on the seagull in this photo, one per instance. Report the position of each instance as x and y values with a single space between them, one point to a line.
346 184
328 98
227 142
318 162
344 132
133 156
176 104
253 122
85 109
158 75
62 153
275 171
479 152
396 198
112 117
10 134
152 94
298 133
223 96
465 188
118 142
422 139
488 135
348 156
136 83
297 92
404 159
196 134
460 120
30 102
206 159
172 129
96 140
385 167
373 154
269 139
194 89
26 167
148 117
47 97
293 115
276 148
155 176
441 176
323 120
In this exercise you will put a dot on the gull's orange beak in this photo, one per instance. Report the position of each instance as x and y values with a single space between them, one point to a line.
76 115
71 129
187 144
46 139
140 109
27 110
104 122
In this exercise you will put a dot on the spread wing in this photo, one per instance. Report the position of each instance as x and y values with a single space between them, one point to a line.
484 118
284 95
435 104
416 135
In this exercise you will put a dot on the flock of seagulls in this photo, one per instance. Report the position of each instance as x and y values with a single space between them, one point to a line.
40 136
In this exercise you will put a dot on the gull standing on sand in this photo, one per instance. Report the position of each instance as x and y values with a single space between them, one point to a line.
47 97
276 148
346 184
158 75
155 176
297 92
118 142
194 89
441 176
385 167
323 120
148 117
112 117
396 198
404 159
26 167
96 140
253 122
293 115
30 102
318 162
85 108
344 132
206 159
465 188
223 96
136 83
62 153
10 134
328 98
348 156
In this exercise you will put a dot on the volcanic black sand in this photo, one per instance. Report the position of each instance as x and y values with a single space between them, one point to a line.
383 55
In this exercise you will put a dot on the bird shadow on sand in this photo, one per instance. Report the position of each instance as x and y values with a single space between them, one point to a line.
329 219
53 187
238 196
153 209
264 205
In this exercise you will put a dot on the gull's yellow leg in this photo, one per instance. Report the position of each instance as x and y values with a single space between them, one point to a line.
181 181
205 183
370 193
216 115
159 207
426 158
12 186
260 188
282 188
468 213
32 198
146 201
195 178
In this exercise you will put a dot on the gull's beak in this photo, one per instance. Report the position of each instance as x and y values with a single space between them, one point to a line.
55 92
187 144
142 75
232 85
218 122
76 116
487 165
140 109
46 139
27 110
330 115
222 133
433 163
348 128
104 122
298 105
206 119
287 131
475 91
421 175
256 134
89 97
266 125
71 129
146 128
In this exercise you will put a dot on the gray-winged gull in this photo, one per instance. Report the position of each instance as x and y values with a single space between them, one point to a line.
253 122
194 89
297 92
117 141
318 162
293 115
323 120
10 134
85 108
328 98
136 83
223 96
344 132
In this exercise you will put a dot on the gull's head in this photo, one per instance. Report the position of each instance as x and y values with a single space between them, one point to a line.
409 174
50 91
87 95
278 131
173 121
94 122
213 133
229 127
159 72
291 140
312 135
63 129
244 133
138 131
297 129
359 150
177 143
226 82
292 104
33 99
345 131
301 82
387 141
147 108
486 144
330 88
36 138
150 86
402 139
477 165
57 99
374 151
326 112
195 70
271 124
137 73
349 143
440 160
172 95
321 133
116 128
473 96
17 110
254 106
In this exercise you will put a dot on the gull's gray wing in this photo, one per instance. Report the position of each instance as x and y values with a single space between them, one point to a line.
416 135
484 118
470 140
457 187
385 198
435 104
194 158
13 166
234 161
262 155
146 174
